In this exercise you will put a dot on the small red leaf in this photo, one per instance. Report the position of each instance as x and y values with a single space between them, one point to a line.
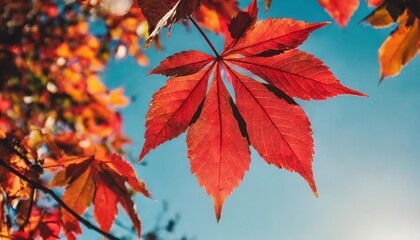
183 63
219 154
340 10
297 73
173 107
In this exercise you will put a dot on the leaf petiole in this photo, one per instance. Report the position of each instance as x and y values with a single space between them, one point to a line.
205 37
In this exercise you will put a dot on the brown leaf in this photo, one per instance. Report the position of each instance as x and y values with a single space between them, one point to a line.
160 14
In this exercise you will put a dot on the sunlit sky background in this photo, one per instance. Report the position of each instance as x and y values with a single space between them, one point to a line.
367 150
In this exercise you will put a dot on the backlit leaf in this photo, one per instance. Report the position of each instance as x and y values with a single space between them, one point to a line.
340 10
297 73
105 203
273 34
173 107
183 63
78 197
379 18
399 48
220 127
219 154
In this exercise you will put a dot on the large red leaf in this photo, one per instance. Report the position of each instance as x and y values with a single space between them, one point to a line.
219 154
340 10
297 73
173 107
274 124
278 128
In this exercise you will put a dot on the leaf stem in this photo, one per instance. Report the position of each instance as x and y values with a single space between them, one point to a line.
39 186
205 36
31 204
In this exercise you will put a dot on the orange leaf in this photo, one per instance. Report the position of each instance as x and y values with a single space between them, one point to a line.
399 48
78 196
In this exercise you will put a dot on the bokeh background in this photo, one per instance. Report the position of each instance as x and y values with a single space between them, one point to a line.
367 150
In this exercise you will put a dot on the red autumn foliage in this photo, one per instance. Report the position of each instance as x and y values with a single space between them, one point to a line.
263 115
60 129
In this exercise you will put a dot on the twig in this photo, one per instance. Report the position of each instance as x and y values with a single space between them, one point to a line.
31 204
205 36
11 144
36 185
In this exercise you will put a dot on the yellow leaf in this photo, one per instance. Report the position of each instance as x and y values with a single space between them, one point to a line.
83 28
117 98
399 48
64 50
2 134
84 51
95 86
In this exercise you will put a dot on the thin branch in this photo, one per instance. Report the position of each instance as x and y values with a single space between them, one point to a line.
11 144
57 199
31 204
205 36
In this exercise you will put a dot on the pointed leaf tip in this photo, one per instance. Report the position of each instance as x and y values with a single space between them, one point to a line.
340 11
218 207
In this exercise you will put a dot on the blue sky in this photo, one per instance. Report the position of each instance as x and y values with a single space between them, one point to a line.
367 150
